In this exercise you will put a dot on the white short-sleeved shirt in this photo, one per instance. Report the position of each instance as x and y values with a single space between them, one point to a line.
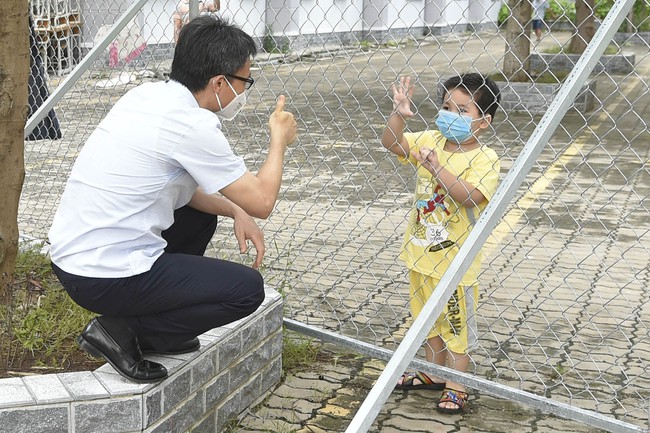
144 160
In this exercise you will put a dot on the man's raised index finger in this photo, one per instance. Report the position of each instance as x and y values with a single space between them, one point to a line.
279 106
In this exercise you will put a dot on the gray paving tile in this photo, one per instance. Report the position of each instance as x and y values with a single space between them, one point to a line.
83 385
13 392
47 388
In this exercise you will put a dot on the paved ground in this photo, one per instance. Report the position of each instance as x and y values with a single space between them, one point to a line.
324 398
564 302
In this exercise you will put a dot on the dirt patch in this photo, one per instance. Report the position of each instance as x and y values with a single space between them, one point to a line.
27 364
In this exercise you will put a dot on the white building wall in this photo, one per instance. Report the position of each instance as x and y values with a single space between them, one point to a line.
300 18
456 12
483 11
157 21
400 14
319 17
250 15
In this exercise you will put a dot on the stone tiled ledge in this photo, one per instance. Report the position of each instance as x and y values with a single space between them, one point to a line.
561 62
639 38
536 98
236 366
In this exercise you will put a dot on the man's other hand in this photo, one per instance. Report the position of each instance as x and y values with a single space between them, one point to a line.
246 229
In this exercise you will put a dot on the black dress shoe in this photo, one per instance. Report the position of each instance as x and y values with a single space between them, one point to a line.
191 345
125 358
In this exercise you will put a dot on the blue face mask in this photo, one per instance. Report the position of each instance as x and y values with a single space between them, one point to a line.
454 127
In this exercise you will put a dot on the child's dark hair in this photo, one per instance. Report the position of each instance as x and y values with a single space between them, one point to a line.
484 90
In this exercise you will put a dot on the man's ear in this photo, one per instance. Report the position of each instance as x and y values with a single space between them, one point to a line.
217 82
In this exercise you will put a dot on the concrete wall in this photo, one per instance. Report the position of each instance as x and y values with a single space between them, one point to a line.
234 369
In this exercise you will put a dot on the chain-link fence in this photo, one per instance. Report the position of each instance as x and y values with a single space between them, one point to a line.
564 304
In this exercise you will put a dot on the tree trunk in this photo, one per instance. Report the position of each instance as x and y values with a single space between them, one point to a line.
629 27
585 23
516 61
14 75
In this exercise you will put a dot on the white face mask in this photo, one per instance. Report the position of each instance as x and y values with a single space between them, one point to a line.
231 110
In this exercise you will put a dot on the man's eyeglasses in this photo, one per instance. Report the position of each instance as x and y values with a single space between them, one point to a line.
249 81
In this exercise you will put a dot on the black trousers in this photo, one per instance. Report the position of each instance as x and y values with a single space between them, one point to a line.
182 296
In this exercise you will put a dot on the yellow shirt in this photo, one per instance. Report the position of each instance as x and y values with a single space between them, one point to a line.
437 225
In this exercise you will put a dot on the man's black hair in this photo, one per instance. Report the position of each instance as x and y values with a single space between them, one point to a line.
209 46
482 89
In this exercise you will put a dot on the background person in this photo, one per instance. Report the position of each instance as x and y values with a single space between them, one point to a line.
181 15
456 177
142 201
539 12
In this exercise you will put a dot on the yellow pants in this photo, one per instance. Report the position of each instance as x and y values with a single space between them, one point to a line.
457 322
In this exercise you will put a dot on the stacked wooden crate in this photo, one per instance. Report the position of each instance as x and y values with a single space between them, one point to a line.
58 30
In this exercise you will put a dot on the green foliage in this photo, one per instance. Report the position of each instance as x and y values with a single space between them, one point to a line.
270 44
504 14
640 18
563 10
298 351
38 316
566 10
51 325
602 7
32 264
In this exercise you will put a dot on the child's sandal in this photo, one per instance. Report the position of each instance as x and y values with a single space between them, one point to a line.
425 382
458 398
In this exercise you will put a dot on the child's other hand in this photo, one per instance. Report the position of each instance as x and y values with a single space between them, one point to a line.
402 94
428 158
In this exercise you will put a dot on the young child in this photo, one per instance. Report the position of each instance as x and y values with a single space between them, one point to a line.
456 177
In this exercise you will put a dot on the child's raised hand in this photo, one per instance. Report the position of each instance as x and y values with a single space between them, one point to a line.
402 93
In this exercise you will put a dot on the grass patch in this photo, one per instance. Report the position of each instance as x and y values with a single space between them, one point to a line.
298 351
50 326
270 44
40 322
